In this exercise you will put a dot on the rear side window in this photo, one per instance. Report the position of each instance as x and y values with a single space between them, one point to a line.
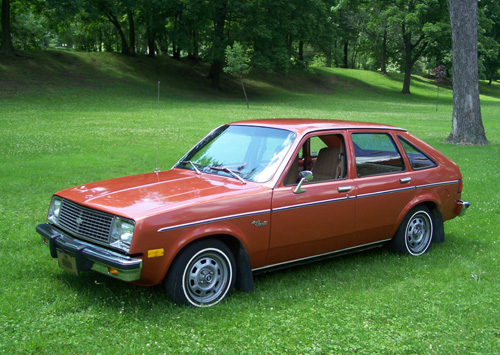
376 154
418 160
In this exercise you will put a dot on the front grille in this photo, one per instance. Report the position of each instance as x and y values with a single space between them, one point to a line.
85 222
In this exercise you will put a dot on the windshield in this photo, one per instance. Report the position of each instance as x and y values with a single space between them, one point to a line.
253 153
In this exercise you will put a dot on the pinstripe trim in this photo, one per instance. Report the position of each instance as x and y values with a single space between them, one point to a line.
254 213
211 220
386 192
438 184
284 208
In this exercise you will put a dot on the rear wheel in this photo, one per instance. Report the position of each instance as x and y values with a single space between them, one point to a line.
414 235
202 275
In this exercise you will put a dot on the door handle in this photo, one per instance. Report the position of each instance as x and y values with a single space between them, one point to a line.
404 180
344 188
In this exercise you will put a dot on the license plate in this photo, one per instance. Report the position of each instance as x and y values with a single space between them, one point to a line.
67 262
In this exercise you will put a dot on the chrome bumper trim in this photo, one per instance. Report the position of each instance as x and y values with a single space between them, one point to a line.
464 206
89 256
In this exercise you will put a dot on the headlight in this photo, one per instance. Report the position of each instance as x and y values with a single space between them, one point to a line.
54 209
122 231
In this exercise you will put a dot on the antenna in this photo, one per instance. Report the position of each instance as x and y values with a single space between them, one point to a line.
157 127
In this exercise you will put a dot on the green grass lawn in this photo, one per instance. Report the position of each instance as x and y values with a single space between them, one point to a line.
73 118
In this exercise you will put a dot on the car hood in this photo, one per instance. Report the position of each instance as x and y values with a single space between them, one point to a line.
140 195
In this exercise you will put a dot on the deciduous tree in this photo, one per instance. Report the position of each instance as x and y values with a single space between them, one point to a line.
420 22
238 64
489 38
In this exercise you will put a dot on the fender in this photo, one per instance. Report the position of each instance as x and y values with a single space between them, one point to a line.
430 200
234 233
244 275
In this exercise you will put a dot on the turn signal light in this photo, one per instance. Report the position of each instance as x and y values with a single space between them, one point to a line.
113 271
155 253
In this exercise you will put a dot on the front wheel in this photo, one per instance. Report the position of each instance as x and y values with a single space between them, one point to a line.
202 275
414 235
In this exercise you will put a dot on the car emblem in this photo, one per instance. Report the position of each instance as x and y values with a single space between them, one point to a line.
259 223
79 221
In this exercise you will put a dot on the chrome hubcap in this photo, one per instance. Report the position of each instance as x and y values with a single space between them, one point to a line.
207 277
419 232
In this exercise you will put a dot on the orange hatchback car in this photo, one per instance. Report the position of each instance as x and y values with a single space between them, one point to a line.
254 196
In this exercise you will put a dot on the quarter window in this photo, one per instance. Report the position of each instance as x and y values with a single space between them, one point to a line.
376 154
418 160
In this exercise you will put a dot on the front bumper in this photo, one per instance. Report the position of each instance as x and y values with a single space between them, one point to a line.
88 256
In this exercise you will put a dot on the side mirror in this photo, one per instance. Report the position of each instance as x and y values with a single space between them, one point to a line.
305 176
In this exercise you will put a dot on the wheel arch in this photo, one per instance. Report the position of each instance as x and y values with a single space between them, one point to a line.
244 275
438 235
243 272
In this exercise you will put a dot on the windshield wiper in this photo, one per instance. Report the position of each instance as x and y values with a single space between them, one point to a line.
193 165
227 170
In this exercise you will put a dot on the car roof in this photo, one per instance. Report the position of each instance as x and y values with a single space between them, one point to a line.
304 125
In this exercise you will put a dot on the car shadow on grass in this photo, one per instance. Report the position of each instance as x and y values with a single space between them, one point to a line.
374 270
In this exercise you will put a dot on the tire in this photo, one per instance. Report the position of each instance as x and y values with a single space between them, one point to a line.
414 235
202 275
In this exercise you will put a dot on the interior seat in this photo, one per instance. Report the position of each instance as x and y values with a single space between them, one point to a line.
293 174
340 173
326 165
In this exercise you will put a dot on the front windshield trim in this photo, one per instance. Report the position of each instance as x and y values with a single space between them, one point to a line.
255 153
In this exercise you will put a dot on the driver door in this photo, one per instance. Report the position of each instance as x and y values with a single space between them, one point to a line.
318 219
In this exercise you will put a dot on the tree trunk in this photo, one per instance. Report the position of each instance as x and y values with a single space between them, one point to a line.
346 50
244 91
301 50
151 47
408 65
112 18
215 73
196 47
383 68
411 56
6 48
354 55
163 44
408 68
218 43
151 41
467 124
131 32
176 52
100 41
328 59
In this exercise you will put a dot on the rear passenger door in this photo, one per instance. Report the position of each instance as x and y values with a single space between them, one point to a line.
384 186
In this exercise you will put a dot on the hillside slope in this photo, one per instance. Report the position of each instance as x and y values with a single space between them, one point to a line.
52 72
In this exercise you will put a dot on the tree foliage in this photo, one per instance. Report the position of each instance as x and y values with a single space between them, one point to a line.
489 38
408 36
238 64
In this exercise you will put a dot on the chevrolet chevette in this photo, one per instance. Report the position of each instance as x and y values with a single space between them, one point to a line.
254 196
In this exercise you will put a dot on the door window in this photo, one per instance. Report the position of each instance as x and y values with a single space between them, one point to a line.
324 155
376 154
